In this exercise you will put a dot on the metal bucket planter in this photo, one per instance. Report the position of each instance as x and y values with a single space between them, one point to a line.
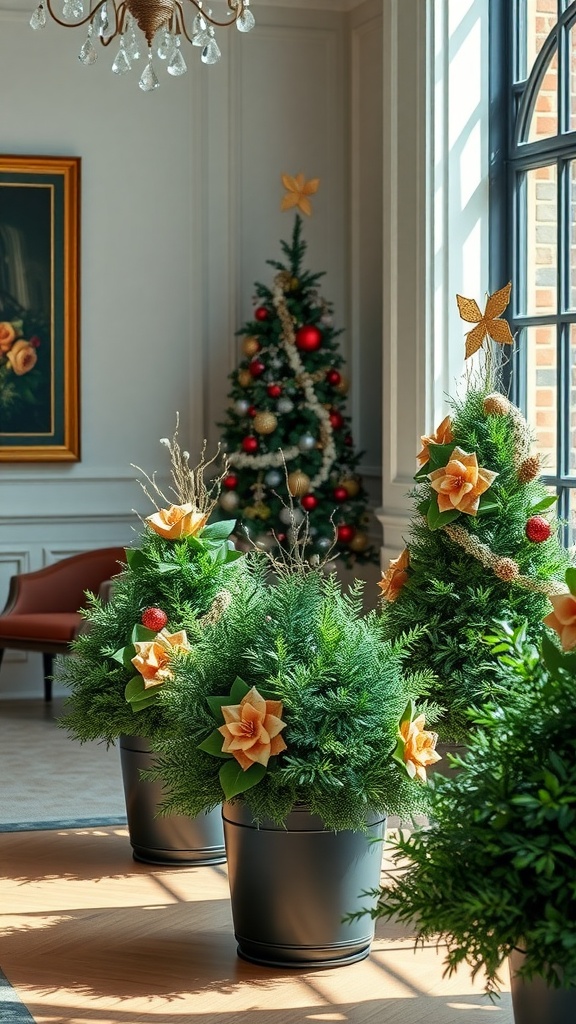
164 839
533 1002
291 885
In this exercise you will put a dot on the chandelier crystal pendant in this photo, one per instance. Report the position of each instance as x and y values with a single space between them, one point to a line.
163 23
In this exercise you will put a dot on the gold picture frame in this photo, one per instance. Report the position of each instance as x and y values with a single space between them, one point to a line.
39 308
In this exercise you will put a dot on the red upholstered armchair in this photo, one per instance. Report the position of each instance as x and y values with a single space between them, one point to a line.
41 613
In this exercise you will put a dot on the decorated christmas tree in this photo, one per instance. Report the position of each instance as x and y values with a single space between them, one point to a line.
287 435
484 544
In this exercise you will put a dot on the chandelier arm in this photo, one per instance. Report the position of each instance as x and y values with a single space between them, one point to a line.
236 11
75 23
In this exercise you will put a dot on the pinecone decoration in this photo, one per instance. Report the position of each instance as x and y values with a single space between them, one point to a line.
529 469
496 405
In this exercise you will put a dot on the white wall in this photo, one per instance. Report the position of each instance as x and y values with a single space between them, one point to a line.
180 209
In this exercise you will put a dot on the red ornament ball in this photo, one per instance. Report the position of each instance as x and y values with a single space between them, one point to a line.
340 493
308 338
336 419
256 367
154 618
345 533
230 482
538 529
252 410
309 502
333 378
348 440
280 537
250 444
274 390
261 313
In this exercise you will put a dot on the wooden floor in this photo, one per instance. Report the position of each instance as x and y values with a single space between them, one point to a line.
89 936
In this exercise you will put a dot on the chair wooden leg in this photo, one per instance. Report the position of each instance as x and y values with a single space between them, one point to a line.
48 660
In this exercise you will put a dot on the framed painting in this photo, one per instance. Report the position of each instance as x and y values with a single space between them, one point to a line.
39 308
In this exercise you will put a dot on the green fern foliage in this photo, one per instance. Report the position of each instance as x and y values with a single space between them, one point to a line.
302 640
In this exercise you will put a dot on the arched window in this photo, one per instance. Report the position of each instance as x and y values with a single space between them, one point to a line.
533 221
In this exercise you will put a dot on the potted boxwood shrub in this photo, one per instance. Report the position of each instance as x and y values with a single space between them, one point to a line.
494 876
296 713
180 576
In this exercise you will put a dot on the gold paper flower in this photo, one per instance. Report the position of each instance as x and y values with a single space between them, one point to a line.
153 656
488 324
419 747
177 521
251 732
395 576
443 435
22 357
298 190
563 619
460 483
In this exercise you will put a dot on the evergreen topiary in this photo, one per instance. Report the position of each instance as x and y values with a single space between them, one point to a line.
181 576
295 698
483 544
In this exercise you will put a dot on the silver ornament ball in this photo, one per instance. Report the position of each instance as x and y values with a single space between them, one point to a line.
306 442
273 478
241 406
285 405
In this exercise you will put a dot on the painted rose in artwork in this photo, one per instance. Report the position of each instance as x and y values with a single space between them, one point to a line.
563 619
7 335
395 576
177 521
461 482
251 732
153 656
22 357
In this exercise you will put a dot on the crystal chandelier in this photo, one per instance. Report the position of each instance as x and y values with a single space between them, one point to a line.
161 22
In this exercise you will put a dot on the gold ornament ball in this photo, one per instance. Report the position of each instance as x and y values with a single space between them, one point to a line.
244 378
342 387
251 346
352 488
359 541
294 284
298 483
265 422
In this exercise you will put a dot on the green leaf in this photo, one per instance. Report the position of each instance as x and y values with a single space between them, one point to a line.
440 455
488 503
234 780
239 690
139 705
136 558
166 567
423 471
134 688
140 633
437 519
571 580
218 531
545 503
213 744
125 655
216 703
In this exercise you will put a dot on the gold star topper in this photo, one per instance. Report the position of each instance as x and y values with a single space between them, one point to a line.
297 192
488 323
